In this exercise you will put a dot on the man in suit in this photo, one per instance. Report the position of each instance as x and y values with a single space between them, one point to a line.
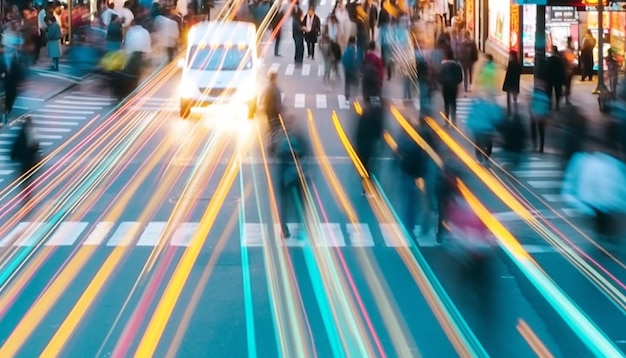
313 27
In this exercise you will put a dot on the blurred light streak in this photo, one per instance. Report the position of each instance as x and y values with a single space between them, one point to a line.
282 284
44 255
154 331
618 298
86 300
203 169
200 285
53 291
396 326
349 149
533 341
451 321
19 256
246 277
587 331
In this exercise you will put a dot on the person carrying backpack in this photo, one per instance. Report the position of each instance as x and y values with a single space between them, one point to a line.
450 76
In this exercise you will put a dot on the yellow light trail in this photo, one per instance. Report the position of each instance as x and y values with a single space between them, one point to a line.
44 304
155 328
86 300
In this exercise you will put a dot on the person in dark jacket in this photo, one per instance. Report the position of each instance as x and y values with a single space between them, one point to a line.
369 131
586 56
272 103
450 76
115 34
298 35
514 137
555 71
512 81
276 26
350 63
574 132
25 151
447 190
414 164
13 78
291 148
468 56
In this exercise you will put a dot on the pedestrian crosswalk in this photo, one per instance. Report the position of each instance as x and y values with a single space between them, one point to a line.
53 123
290 100
291 70
252 235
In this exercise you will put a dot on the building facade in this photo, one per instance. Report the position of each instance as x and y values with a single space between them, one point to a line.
500 26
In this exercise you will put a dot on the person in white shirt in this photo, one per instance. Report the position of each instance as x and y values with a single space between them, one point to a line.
137 40
167 34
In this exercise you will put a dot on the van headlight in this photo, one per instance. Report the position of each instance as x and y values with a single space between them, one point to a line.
188 89
247 91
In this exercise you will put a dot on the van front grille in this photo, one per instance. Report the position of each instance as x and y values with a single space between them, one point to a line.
218 92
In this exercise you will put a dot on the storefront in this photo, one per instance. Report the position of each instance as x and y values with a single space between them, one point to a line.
561 22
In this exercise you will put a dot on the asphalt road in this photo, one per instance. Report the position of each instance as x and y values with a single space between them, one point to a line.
154 236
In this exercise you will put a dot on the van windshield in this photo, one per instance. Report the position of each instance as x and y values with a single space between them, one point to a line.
216 58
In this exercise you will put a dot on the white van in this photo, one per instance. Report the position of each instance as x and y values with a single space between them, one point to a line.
220 68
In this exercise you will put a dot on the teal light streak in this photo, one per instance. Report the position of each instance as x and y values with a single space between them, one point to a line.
86 185
272 298
245 271
450 310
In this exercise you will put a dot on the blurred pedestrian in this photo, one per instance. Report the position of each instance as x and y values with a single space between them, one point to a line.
415 166
574 132
468 56
13 77
167 33
372 73
450 77
115 34
54 36
276 26
369 131
298 28
613 65
484 119
291 148
555 71
539 113
312 29
272 103
511 83
569 57
25 151
514 139
488 75
586 56
350 64
446 190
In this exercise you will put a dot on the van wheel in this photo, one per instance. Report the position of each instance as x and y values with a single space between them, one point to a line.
185 109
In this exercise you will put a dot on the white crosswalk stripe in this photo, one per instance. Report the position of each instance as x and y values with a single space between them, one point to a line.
254 235
53 122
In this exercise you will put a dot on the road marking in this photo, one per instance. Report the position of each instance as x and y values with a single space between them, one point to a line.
31 234
359 235
53 123
331 236
542 164
184 233
66 234
253 234
52 130
282 97
84 103
48 136
320 71
393 235
124 233
537 173
398 103
6 172
320 100
274 67
57 116
14 234
299 100
553 197
547 214
152 233
74 106
297 239
45 144
290 69
64 111
545 184
343 102
99 233
306 69
91 98
8 135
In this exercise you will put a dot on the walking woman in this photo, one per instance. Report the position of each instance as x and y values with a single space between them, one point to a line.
586 56
512 82
298 35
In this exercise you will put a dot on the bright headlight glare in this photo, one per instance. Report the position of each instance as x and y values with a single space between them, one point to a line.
187 89
247 90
